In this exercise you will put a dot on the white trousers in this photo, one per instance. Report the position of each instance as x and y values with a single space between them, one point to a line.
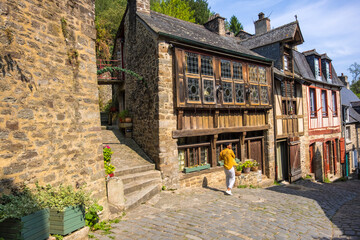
230 177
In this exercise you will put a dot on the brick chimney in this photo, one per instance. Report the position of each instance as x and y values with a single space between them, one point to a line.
262 25
216 24
344 79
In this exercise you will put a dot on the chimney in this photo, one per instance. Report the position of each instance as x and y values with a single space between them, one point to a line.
344 79
143 6
216 24
262 25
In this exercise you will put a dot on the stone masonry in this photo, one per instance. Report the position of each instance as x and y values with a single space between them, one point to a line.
49 112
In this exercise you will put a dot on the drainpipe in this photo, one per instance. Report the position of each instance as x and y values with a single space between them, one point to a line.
274 120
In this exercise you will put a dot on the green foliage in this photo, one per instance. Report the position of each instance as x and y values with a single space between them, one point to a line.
64 27
107 152
242 186
163 188
235 25
276 183
61 197
247 164
109 168
254 163
108 15
201 10
91 235
326 180
308 177
354 69
239 167
91 216
175 8
58 237
124 114
18 205
112 69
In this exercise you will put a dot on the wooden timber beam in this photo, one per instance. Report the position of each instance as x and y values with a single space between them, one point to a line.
213 131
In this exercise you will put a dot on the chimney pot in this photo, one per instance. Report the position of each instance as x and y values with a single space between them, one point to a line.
261 15
262 25
216 24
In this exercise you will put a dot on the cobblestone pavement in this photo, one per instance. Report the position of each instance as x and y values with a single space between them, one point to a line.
303 210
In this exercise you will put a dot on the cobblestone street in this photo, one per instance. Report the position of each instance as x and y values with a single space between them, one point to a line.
304 210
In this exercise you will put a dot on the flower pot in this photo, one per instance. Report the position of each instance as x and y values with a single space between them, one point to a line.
197 168
237 173
128 120
254 169
246 170
67 221
34 226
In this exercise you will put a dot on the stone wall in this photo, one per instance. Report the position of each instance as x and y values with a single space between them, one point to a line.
352 145
269 147
141 55
49 114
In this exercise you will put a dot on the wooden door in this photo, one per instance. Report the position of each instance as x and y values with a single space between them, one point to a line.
256 152
327 158
294 161
311 155
282 168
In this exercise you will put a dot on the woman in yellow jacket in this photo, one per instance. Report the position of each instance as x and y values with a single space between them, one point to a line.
228 156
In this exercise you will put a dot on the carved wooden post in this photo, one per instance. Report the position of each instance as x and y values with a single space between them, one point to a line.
213 150
242 146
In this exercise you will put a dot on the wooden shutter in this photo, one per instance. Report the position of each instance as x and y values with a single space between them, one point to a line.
342 150
295 165
180 81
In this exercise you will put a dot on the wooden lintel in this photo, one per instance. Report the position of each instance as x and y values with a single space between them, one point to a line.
109 82
213 131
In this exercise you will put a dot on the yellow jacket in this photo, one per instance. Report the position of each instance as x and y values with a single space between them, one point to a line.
229 158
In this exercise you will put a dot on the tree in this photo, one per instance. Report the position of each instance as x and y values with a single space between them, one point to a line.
235 25
108 15
201 10
354 69
175 8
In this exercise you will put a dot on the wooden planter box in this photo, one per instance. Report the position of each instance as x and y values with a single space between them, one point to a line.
31 227
197 168
71 219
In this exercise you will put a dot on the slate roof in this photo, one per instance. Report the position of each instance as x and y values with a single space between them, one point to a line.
311 52
278 34
302 68
347 97
325 56
197 34
354 116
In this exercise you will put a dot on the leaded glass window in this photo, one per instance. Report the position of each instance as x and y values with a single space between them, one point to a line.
207 66
240 93
237 71
264 94
193 87
227 92
204 155
225 69
254 94
253 73
262 75
192 62
209 91
181 158
283 91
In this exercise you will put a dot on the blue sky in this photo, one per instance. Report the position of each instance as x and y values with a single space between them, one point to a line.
329 26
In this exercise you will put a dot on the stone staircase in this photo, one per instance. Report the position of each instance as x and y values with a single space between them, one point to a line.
140 179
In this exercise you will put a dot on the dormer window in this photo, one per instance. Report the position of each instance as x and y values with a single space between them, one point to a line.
328 77
317 69
287 59
286 64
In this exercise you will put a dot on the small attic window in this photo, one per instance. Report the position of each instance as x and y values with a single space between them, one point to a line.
317 69
328 77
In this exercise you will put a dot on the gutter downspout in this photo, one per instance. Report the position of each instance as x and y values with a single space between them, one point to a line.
274 120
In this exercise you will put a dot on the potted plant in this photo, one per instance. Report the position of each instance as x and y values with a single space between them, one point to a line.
109 168
125 116
66 207
22 217
238 169
247 165
255 166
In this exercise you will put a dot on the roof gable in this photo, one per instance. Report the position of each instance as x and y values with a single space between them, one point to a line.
287 33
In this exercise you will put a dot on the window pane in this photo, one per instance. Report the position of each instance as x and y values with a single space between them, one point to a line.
254 94
327 71
283 92
262 75
208 91
237 71
225 69
204 155
192 62
312 102
253 73
192 157
193 89
334 103
264 95
227 92
323 103
317 70
240 93
206 66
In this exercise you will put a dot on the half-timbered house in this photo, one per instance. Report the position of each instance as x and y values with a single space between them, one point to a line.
200 90
278 44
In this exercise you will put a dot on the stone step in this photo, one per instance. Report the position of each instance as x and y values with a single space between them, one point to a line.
136 198
140 176
141 184
133 170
